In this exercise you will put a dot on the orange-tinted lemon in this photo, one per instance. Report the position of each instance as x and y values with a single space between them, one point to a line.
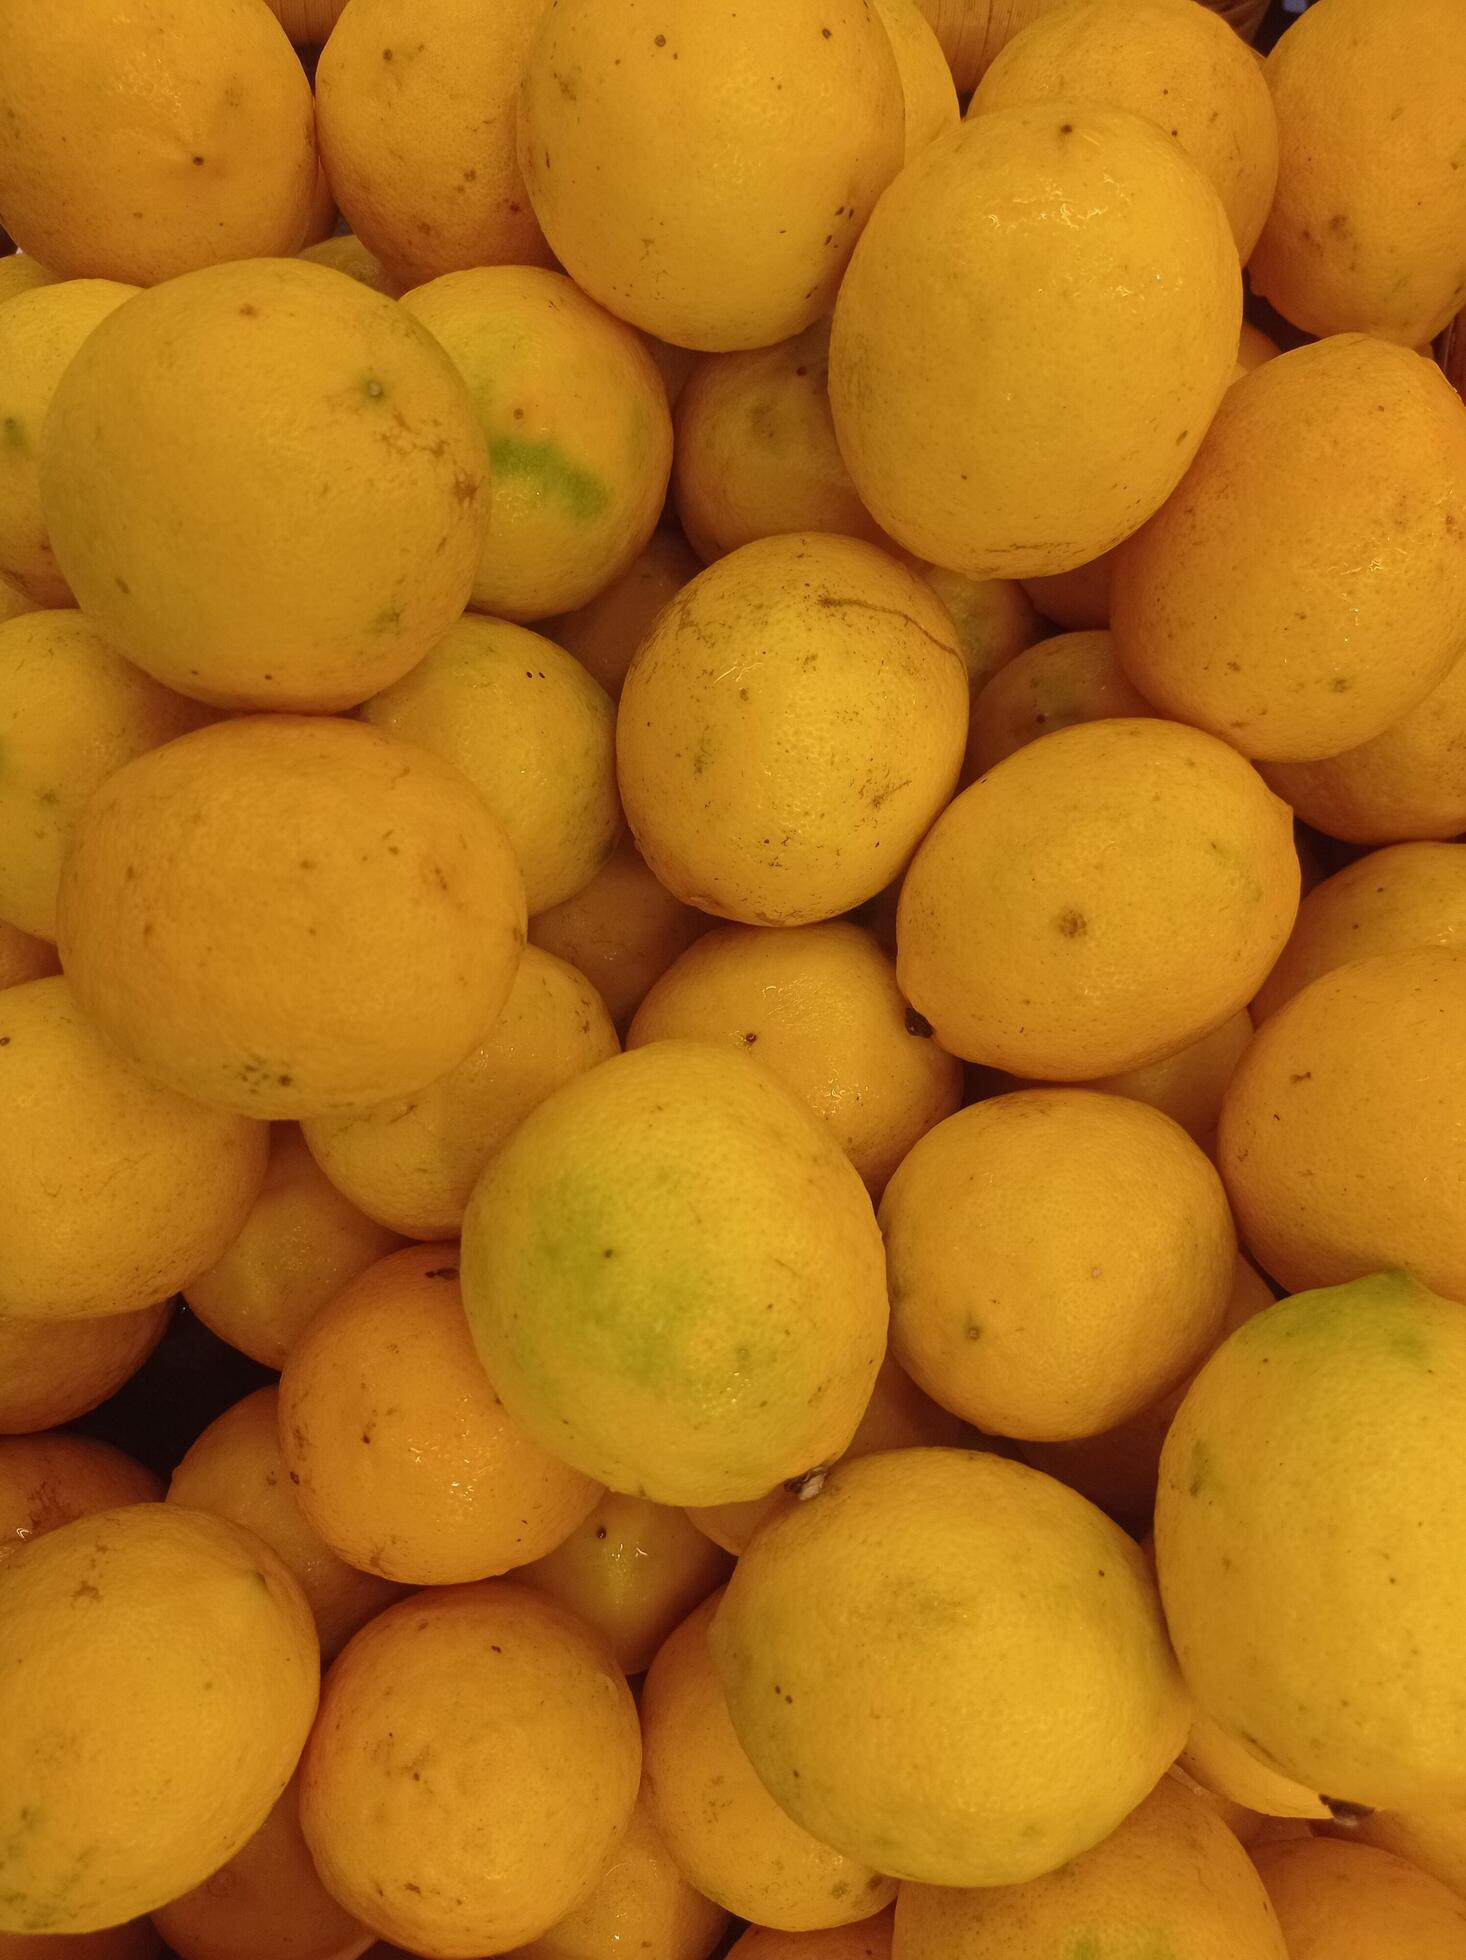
1070 678
605 633
46 1481
1354 1902
52 1371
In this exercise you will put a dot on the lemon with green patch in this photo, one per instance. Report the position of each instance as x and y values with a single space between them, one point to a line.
1309 1526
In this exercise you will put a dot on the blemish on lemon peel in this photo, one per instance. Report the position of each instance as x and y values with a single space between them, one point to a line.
551 470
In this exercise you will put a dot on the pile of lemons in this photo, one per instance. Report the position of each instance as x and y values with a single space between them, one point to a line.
724 814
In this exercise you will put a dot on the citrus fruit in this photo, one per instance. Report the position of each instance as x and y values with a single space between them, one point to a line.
415 108
413 1161
721 1825
73 712
267 1901
344 252
1098 900
52 1371
641 1904
157 1663
225 895
870 1939
1035 418
1326 1420
39 334
994 617
23 957
1302 642
631 1570
756 449
791 726
1408 783
20 273
1385 902
189 523
620 931
578 431
1171 1876
1070 678
234 1469
1189 1085
1056 1259
46 1481
532 732
1365 230
1339 1140
674 1277
748 148
819 1006
199 147
1434 1841
1220 1763
300 1243
1170 61
927 1597
898 1416
1353 1902
118 1191
462 1718
605 633
399 1451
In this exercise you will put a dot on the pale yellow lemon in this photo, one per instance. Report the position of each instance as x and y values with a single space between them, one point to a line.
464 1717
641 1904
235 1469
46 1481
299 1245
308 422
818 1005
72 710
927 89
925 1596
178 1656
756 449
705 174
399 1451
412 1162
200 136
225 895
1385 902
1326 1420
533 733
1051 924
994 617
1365 232
621 931
344 252
39 334
118 1191
20 272
267 1903
790 728
1303 647
605 633
1001 406
578 431
1171 61
1171 1878
1056 1259
1339 1138
416 111
1070 678
674 1277
725 1830
52 1371
1354 1902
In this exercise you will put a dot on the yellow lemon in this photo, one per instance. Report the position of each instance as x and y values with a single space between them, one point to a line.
994 617
416 119
532 732
52 1371
674 1277
706 173
225 894
605 633
790 728
926 1597
46 1481
39 335
927 89
1190 1085
118 1191
200 139
21 273
578 431
1001 405
1354 1902
344 252
1219 1762
176 1655
308 423
1070 678
1434 1841
1326 1419
72 710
